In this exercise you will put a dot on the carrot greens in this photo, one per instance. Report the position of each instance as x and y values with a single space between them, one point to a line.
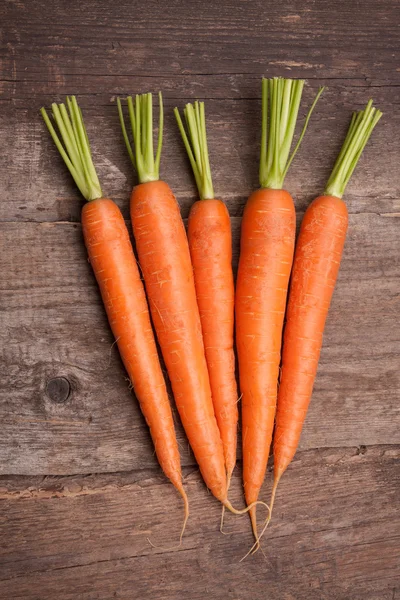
280 106
76 151
141 151
360 129
196 146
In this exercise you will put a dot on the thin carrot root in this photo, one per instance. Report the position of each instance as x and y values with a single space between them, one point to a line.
243 511
253 518
185 520
186 508
229 506
110 354
221 525
274 488
228 483
239 399
256 546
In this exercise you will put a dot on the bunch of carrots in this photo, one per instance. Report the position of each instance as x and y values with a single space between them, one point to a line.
187 299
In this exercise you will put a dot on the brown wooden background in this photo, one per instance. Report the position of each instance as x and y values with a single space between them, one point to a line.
80 489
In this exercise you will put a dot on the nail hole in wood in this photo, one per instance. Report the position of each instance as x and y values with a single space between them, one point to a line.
58 389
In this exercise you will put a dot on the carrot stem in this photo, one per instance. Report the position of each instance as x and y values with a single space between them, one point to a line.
141 150
281 98
196 146
303 131
124 131
358 134
73 145
160 131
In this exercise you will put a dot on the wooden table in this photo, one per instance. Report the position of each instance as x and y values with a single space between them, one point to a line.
81 490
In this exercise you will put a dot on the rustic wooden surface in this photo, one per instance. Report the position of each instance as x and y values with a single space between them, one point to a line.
80 489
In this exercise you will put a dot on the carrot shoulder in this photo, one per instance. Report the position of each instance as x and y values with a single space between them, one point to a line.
210 244
316 266
114 265
266 254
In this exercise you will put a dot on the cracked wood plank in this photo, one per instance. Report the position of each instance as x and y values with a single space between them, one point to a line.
228 37
39 87
55 326
334 535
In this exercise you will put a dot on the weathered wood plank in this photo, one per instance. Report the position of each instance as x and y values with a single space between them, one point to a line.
99 90
53 325
37 186
65 406
334 536
196 37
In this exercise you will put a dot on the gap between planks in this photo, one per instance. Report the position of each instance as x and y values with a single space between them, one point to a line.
48 486
299 214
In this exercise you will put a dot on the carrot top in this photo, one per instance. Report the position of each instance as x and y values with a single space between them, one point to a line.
196 146
141 150
280 106
360 129
76 149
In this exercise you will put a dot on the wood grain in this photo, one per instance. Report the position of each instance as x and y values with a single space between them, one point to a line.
334 536
55 326
208 57
81 489
228 37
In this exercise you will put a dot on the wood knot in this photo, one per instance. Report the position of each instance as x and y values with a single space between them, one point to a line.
58 389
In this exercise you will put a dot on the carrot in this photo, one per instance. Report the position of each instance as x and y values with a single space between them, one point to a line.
266 253
165 262
210 244
114 265
315 269
168 274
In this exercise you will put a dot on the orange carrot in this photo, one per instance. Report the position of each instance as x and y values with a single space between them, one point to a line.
315 269
167 270
210 244
168 274
266 254
114 265
165 262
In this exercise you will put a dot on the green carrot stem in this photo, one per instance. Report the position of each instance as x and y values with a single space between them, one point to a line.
73 144
358 134
125 133
195 141
141 150
280 106
160 132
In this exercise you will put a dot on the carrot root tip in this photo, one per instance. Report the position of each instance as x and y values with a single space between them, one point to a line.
185 520
256 546
221 527
253 518
228 505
